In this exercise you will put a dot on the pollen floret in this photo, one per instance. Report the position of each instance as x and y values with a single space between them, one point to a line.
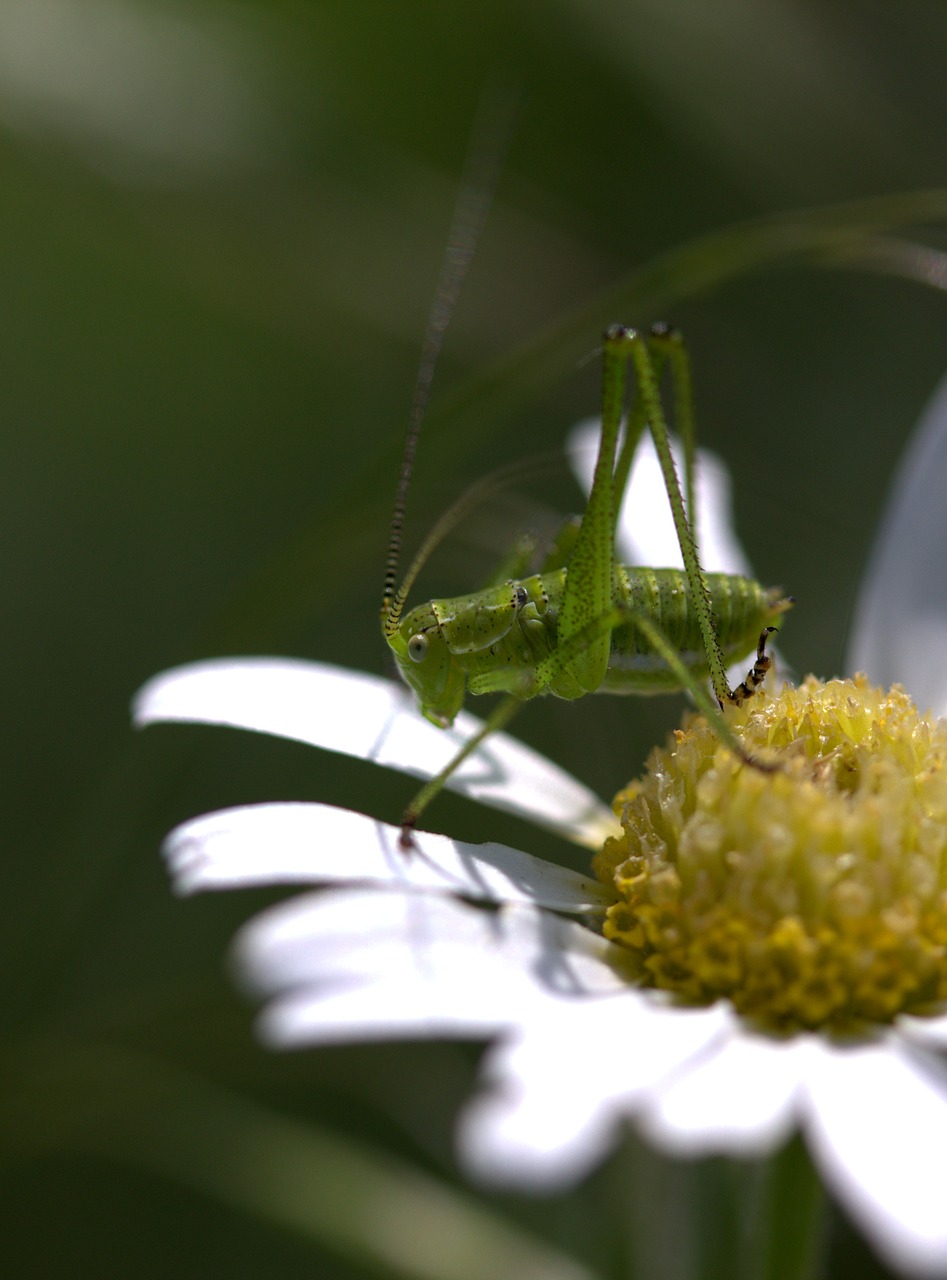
815 894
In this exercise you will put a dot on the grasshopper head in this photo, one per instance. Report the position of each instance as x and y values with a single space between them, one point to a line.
428 667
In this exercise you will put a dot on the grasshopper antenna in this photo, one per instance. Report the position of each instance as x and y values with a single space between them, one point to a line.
488 141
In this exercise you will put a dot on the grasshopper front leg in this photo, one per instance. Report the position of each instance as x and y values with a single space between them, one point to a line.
498 719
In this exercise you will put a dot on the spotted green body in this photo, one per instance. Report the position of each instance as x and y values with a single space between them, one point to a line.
496 640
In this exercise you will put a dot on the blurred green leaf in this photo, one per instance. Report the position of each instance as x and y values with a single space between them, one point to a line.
362 1204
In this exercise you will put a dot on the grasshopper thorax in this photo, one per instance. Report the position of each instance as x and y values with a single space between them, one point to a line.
427 666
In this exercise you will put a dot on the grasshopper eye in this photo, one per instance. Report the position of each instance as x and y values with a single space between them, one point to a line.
520 596
417 647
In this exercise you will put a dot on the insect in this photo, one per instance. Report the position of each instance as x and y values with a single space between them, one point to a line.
584 623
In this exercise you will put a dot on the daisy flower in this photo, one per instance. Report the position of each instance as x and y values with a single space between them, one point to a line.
756 953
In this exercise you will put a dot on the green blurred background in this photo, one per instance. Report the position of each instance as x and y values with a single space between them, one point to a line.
220 230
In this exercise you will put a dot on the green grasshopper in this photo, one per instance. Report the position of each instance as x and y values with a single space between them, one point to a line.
584 623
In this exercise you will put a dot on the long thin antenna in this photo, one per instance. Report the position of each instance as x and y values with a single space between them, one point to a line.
482 166
469 500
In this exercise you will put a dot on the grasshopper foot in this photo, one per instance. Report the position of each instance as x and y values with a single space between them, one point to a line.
757 673
406 838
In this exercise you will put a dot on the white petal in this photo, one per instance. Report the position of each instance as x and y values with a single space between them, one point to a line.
374 719
646 531
384 1012
362 964
877 1126
558 1093
318 843
738 1099
930 1033
535 1136
899 631
356 935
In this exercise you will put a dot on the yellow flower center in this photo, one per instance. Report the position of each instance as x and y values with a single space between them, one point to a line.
816 894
